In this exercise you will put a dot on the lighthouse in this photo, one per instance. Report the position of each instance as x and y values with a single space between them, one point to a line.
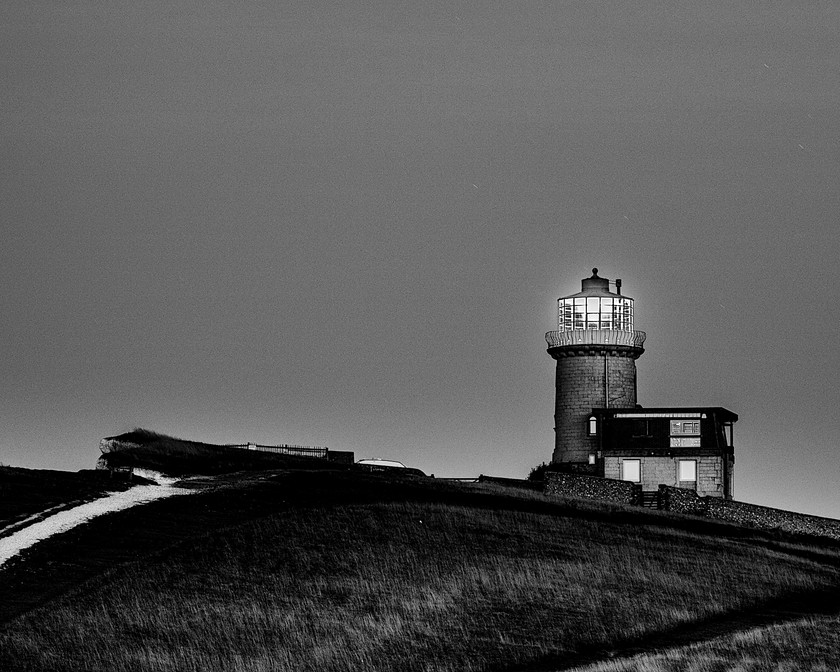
596 347
599 427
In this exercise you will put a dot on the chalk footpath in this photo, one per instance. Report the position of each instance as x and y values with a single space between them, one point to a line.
68 519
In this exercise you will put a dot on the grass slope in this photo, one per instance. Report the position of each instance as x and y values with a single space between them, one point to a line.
346 571
805 644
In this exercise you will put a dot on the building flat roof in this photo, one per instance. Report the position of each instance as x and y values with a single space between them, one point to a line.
669 412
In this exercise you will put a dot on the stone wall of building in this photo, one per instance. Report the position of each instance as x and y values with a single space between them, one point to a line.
591 487
742 513
663 470
580 387
710 475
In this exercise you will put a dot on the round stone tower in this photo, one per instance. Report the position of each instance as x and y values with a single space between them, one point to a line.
596 349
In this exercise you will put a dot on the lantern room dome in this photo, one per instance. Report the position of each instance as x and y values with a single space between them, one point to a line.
595 284
596 307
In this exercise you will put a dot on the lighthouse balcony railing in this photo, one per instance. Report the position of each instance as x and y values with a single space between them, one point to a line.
559 339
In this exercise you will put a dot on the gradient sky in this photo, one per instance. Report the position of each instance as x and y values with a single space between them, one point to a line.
347 224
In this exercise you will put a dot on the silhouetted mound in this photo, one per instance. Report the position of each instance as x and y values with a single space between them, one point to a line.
145 449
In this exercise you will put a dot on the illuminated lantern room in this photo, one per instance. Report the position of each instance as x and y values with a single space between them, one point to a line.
596 307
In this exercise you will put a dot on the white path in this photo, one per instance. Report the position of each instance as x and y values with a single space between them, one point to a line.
69 518
28 520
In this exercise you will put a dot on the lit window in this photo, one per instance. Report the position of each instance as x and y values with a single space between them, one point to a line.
596 313
592 426
631 470
688 470
591 458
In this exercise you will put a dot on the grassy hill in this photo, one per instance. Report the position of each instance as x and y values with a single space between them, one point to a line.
342 570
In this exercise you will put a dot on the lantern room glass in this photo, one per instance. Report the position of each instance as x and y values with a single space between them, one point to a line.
611 313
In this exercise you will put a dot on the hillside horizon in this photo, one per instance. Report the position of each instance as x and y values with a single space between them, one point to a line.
290 568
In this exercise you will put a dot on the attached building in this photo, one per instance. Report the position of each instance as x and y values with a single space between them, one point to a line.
682 447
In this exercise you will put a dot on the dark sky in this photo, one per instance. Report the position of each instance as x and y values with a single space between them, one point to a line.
347 224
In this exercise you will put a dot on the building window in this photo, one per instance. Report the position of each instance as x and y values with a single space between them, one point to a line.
631 470
685 427
688 470
640 428
592 426
610 313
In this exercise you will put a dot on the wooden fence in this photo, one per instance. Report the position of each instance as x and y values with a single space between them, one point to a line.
287 449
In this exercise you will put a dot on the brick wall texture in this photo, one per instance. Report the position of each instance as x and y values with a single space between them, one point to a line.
665 470
752 515
591 487
580 387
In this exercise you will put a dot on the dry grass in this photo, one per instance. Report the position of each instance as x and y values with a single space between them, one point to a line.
403 586
807 645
